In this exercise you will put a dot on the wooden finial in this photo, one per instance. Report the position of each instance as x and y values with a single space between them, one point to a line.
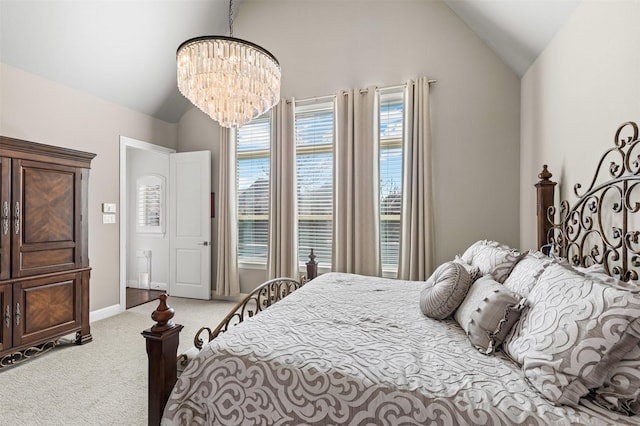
545 174
163 315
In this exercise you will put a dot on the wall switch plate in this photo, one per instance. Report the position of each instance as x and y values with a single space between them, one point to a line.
108 218
109 208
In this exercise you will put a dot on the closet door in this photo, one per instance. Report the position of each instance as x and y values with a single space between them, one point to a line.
5 217
47 226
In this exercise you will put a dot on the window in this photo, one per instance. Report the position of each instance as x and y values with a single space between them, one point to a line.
150 202
253 143
314 136
391 137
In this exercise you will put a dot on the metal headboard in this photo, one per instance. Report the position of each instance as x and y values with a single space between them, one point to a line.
601 227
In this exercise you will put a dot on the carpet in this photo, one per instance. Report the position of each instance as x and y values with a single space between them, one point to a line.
103 382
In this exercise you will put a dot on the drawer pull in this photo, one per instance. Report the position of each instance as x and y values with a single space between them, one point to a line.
5 217
16 218
18 314
7 316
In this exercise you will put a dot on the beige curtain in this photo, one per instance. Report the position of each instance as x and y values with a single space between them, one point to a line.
416 236
283 226
227 282
356 207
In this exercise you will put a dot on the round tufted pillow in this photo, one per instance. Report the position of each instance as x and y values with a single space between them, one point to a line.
444 290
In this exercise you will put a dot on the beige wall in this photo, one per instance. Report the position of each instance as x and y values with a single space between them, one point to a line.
326 46
583 86
40 110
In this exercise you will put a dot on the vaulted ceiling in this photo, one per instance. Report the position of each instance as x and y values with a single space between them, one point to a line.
124 51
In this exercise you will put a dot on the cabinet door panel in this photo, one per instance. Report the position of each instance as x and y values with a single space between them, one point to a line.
47 198
46 306
7 317
5 217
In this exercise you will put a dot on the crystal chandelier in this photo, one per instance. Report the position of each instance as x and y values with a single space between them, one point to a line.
231 80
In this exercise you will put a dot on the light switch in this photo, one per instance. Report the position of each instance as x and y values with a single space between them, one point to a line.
108 218
109 208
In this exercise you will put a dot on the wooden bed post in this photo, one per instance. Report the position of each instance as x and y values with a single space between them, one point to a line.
312 266
545 191
162 350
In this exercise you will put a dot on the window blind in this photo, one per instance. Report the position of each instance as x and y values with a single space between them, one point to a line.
253 145
314 133
391 137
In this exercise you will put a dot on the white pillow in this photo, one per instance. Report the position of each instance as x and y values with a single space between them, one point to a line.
526 272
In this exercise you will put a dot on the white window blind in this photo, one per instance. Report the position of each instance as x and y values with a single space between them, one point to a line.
253 144
150 201
391 137
314 133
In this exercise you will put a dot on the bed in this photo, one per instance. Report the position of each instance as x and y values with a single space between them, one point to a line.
495 336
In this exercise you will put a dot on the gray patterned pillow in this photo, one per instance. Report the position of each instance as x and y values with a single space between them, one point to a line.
621 390
526 272
575 330
444 290
488 313
495 260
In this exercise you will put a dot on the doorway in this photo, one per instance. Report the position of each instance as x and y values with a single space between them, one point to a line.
164 223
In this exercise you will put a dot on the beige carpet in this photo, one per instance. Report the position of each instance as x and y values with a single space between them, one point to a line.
103 382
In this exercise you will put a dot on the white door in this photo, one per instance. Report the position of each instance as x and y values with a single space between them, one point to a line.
190 225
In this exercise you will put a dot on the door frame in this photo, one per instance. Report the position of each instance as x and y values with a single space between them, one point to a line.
126 143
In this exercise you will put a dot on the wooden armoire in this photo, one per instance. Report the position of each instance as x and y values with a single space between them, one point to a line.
44 263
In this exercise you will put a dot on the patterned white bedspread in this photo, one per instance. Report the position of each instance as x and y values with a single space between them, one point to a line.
353 350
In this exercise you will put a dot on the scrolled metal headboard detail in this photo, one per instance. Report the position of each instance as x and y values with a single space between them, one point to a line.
601 226
258 300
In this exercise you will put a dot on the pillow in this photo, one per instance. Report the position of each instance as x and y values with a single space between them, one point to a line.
444 290
496 260
488 313
621 389
469 253
575 330
526 272
597 272
474 271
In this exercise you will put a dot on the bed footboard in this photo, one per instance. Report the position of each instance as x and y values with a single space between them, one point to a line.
258 300
163 338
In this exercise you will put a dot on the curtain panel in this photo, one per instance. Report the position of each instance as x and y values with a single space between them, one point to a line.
282 258
227 281
416 236
356 207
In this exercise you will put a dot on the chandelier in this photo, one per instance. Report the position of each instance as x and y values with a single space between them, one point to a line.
233 81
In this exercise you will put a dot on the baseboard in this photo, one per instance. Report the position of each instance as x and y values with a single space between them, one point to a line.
103 313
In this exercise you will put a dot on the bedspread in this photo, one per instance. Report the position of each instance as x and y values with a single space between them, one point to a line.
349 349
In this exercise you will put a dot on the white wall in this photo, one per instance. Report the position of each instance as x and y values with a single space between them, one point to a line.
583 86
327 46
39 110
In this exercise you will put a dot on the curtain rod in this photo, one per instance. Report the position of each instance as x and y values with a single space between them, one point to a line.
317 98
